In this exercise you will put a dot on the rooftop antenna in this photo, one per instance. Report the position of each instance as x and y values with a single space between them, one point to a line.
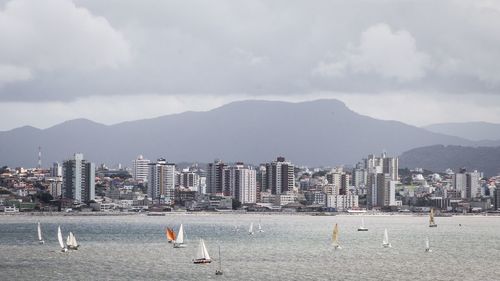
39 157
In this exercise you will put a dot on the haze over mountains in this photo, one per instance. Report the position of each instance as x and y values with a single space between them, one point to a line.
322 132
476 131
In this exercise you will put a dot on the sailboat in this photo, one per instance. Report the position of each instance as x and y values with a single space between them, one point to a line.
219 271
202 255
260 228
60 239
362 227
432 223
250 230
71 242
385 242
179 241
427 245
170 234
40 240
335 237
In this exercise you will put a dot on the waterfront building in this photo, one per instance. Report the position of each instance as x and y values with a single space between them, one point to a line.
189 179
496 199
460 183
161 181
342 202
315 197
280 176
243 183
55 186
216 178
286 198
473 185
140 169
381 191
78 180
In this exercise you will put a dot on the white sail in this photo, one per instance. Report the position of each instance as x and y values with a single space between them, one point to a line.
202 252
260 228
180 236
72 240
59 237
39 232
68 241
386 238
427 246
250 230
205 252
362 223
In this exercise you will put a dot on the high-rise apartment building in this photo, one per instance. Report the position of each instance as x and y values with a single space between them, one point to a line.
382 165
56 170
243 183
496 199
280 176
78 179
217 178
140 169
190 179
381 191
473 185
161 181
460 183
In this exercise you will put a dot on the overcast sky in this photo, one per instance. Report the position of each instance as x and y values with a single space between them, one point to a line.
419 62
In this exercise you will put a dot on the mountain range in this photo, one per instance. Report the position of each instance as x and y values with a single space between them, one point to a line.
438 158
321 132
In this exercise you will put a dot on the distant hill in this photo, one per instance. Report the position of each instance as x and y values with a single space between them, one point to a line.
438 158
470 130
322 132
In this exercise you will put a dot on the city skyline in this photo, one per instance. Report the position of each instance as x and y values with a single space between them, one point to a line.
175 59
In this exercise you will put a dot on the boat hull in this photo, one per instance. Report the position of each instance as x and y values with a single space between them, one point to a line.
201 261
386 245
362 229
179 245
73 247
218 272
433 225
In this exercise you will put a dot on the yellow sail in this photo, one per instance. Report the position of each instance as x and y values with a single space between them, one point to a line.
432 223
335 235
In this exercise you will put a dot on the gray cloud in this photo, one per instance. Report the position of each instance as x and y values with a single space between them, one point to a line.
75 51
60 50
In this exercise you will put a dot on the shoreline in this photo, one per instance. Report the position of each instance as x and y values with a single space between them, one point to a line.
164 214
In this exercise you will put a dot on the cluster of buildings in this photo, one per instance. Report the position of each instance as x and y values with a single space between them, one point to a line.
374 183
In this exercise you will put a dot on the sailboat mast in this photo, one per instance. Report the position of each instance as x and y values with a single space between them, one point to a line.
220 261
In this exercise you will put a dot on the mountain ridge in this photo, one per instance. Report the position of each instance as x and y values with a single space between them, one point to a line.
438 158
320 132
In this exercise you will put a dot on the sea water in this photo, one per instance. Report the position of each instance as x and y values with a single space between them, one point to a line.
292 247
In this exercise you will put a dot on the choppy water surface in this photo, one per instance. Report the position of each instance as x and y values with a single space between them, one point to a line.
293 247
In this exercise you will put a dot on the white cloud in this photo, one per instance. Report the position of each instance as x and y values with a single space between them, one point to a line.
390 54
248 57
12 73
56 34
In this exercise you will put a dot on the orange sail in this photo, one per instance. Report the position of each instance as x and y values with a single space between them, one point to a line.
170 234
